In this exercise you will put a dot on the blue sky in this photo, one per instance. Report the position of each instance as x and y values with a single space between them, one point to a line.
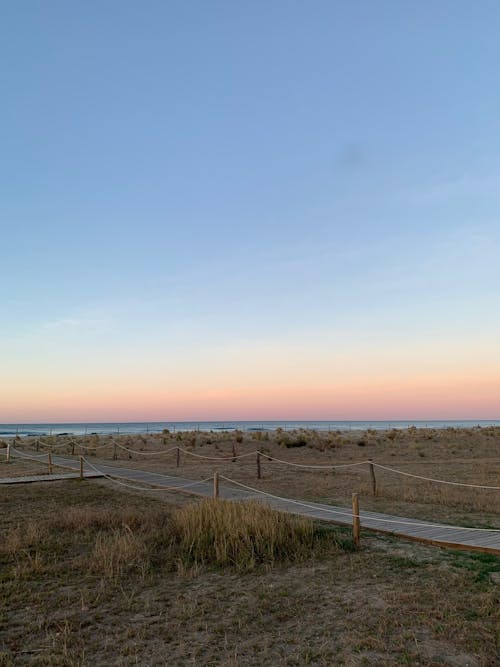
180 180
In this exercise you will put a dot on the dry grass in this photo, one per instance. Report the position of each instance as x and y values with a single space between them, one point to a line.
74 592
470 456
210 533
21 468
464 455
242 535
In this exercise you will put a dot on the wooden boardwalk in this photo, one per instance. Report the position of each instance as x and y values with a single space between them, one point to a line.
413 529
47 478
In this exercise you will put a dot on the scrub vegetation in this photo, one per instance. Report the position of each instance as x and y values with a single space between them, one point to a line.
469 456
94 575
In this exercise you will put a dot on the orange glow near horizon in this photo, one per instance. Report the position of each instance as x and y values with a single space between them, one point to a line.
416 398
285 380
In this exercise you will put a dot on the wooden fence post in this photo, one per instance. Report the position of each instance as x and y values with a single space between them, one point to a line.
234 453
373 478
216 484
8 453
81 467
355 519
73 448
258 466
37 446
49 461
178 457
115 455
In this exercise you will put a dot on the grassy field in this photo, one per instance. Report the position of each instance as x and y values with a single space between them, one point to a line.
93 575
470 456
19 468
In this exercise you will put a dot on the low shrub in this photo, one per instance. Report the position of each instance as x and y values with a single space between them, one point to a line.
210 533
299 441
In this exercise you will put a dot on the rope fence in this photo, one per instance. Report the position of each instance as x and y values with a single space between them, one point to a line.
259 456
315 467
436 481
157 486
258 492
116 479
349 514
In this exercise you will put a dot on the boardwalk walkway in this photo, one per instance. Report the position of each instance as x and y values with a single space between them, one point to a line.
48 478
414 529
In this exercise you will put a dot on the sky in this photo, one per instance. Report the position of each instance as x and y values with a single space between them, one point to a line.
249 210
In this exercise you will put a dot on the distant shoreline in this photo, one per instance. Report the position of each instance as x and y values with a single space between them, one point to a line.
101 428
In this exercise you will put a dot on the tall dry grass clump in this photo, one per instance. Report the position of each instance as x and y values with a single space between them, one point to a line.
240 534
112 543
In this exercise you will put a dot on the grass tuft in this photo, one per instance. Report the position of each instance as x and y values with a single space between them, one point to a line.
243 535
111 543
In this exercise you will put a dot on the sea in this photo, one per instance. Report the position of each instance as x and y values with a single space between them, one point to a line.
10 430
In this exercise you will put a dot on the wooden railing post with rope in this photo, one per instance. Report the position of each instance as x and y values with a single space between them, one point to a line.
373 479
356 525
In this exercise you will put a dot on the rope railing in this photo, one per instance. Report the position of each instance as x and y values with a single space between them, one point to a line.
112 443
272 459
58 445
229 457
350 514
316 467
37 458
116 479
218 458
34 457
160 452
355 516
436 481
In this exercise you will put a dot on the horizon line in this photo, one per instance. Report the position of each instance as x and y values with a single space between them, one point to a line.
232 420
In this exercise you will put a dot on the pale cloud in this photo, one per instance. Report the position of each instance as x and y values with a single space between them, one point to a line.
76 324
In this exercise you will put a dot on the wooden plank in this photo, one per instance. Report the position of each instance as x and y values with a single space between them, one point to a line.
45 478
481 540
